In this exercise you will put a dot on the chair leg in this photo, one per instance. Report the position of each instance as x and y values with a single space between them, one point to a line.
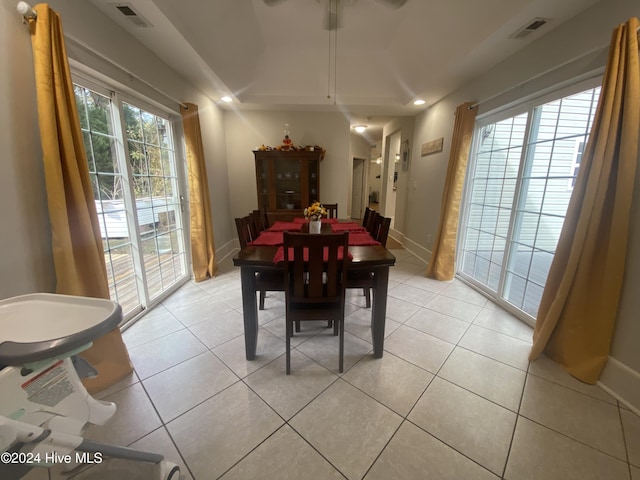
341 340
298 327
288 342
263 294
367 297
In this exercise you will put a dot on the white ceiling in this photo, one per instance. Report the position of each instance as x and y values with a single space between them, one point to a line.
281 57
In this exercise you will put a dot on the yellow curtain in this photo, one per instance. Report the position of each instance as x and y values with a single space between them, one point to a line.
442 262
77 246
579 305
203 255
76 242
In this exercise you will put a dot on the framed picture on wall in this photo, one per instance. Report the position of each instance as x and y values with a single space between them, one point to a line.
405 154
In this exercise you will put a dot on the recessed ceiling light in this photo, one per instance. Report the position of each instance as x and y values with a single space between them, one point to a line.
419 101
226 99
359 128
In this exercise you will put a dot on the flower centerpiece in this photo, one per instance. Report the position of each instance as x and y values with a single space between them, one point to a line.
314 213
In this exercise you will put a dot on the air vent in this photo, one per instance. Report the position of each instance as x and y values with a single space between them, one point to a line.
529 28
134 17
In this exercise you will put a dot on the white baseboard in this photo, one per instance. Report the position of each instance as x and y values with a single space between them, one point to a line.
227 250
622 383
418 250
411 246
397 236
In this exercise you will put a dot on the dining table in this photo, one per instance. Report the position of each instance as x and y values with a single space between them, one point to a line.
366 255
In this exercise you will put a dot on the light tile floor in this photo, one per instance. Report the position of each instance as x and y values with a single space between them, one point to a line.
454 396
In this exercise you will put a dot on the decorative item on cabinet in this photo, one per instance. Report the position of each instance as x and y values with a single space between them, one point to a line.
291 181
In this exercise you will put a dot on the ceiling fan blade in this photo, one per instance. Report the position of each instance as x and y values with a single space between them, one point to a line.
332 18
393 3
271 3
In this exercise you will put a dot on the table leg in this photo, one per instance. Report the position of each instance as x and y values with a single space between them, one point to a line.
379 309
249 311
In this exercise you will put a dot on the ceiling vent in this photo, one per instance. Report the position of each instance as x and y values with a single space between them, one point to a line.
529 28
133 16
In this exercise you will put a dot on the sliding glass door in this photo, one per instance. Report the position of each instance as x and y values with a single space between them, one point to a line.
520 178
137 193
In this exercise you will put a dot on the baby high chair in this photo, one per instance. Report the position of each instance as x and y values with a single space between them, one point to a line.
44 407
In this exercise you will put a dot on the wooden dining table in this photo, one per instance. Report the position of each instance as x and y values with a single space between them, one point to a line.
256 258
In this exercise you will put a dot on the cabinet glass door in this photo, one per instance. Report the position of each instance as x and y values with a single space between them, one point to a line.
314 185
287 176
262 174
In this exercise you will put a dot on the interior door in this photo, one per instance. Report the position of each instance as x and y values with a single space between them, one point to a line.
357 189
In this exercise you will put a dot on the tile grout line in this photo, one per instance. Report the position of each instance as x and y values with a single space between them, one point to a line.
515 425
519 416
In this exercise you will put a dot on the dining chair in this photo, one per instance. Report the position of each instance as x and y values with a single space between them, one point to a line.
315 269
367 214
267 281
245 230
381 226
364 280
258 221
332 209
371 220
265 217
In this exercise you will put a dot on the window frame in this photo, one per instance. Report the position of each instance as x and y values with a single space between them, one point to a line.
498 114
119 95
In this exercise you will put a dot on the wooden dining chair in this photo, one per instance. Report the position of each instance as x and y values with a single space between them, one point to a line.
315 278
332 209
357 279
246 234
367 214
266 281
265 217
258 221
371 221
381 226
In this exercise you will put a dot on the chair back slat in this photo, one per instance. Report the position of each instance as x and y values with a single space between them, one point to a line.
371 222
265 218
316 272
299 271
257 221
381 229
315 287
244 229
365 218
332 209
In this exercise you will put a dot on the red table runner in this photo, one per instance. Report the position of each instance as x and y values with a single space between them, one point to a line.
279 256
284 226
268 238
347 226
362 239
324 220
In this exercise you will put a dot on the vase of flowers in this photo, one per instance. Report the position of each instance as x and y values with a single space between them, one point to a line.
314 213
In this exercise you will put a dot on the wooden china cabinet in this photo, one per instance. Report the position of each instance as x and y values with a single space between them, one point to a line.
287 182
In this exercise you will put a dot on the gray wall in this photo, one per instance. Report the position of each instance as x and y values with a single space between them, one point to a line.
246 131
25 244
25 258
25 253
572 49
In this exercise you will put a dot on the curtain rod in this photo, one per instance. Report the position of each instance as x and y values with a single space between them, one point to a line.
598 49
26 11
29 13
534 77
86 47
